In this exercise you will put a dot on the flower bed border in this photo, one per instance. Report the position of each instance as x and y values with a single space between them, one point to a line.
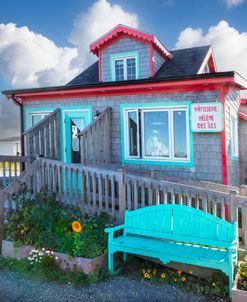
65 262
238 295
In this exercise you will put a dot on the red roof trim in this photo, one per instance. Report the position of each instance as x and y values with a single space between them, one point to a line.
120 30
143 88
243 101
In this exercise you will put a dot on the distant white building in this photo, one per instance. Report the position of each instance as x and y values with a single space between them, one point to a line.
10 146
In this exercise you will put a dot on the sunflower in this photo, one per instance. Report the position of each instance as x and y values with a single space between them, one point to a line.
76 226
183 279
179 273
163 275
146 275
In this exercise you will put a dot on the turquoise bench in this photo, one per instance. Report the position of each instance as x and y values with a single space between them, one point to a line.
176 233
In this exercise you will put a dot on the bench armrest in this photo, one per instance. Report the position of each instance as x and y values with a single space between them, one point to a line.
114 229
233 247
111 231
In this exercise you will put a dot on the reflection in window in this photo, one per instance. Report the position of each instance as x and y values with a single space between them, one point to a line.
156 130
77 125
234 136
37 117
162 134
179 129
131 69
119 70
133 132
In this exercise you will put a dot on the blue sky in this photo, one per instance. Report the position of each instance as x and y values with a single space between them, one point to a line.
45 43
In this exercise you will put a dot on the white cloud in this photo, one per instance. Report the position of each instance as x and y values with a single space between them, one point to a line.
89 26
229 45
29 59
231 3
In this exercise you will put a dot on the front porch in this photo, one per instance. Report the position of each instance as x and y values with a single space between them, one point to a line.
95 184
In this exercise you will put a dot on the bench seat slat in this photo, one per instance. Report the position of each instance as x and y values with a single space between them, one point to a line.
169 248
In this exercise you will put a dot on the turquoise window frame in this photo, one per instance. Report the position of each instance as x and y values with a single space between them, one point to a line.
30 110
123 107
233 156
124 56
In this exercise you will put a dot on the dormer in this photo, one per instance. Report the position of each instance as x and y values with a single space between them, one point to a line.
125 53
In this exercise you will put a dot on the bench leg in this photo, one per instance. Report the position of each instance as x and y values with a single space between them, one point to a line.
125 257
111 262
230 287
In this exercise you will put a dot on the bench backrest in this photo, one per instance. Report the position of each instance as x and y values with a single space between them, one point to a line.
180 223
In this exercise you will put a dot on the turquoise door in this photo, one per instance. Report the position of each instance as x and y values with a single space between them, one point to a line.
75 121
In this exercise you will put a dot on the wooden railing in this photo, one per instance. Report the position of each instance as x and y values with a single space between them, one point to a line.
99 190
31 178
43 139
95 140
10 168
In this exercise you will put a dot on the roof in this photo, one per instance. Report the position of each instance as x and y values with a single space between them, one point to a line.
122 30
185 62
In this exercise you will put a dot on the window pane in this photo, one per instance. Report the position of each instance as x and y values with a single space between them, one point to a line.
119 70
36 118
77 125
131 69
156 130
179 129
133 136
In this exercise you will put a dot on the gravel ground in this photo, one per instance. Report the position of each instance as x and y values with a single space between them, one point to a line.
120 289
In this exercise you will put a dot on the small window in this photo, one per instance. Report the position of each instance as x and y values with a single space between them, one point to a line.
37 117
157 134
124 67
234 137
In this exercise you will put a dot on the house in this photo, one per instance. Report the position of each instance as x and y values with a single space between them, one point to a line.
10 146
143 107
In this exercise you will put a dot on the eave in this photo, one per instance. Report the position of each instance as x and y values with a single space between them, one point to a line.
211 81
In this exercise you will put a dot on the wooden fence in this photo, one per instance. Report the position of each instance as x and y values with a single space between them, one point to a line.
113 191
95 140
43 139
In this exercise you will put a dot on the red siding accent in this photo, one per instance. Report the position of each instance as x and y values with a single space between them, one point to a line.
211 64
151 60
243 101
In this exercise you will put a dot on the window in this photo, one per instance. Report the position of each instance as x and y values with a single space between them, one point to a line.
37 117
160 133
125 66
234 137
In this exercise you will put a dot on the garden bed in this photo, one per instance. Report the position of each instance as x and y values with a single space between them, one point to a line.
62 260
75 239
238 295
239 291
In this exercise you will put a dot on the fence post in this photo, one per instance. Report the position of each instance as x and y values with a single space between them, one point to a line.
1 220
122 195
234 209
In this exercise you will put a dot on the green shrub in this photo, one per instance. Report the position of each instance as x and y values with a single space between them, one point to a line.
43 223
243 274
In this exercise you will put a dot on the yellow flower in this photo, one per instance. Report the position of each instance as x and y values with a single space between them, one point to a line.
149 271
183 279
76 226
163 275
179 272
144 271
190 272
175 279
213 284
154 272
146 275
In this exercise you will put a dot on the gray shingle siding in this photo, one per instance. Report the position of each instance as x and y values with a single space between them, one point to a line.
207 147
125 45
158 61
232 104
